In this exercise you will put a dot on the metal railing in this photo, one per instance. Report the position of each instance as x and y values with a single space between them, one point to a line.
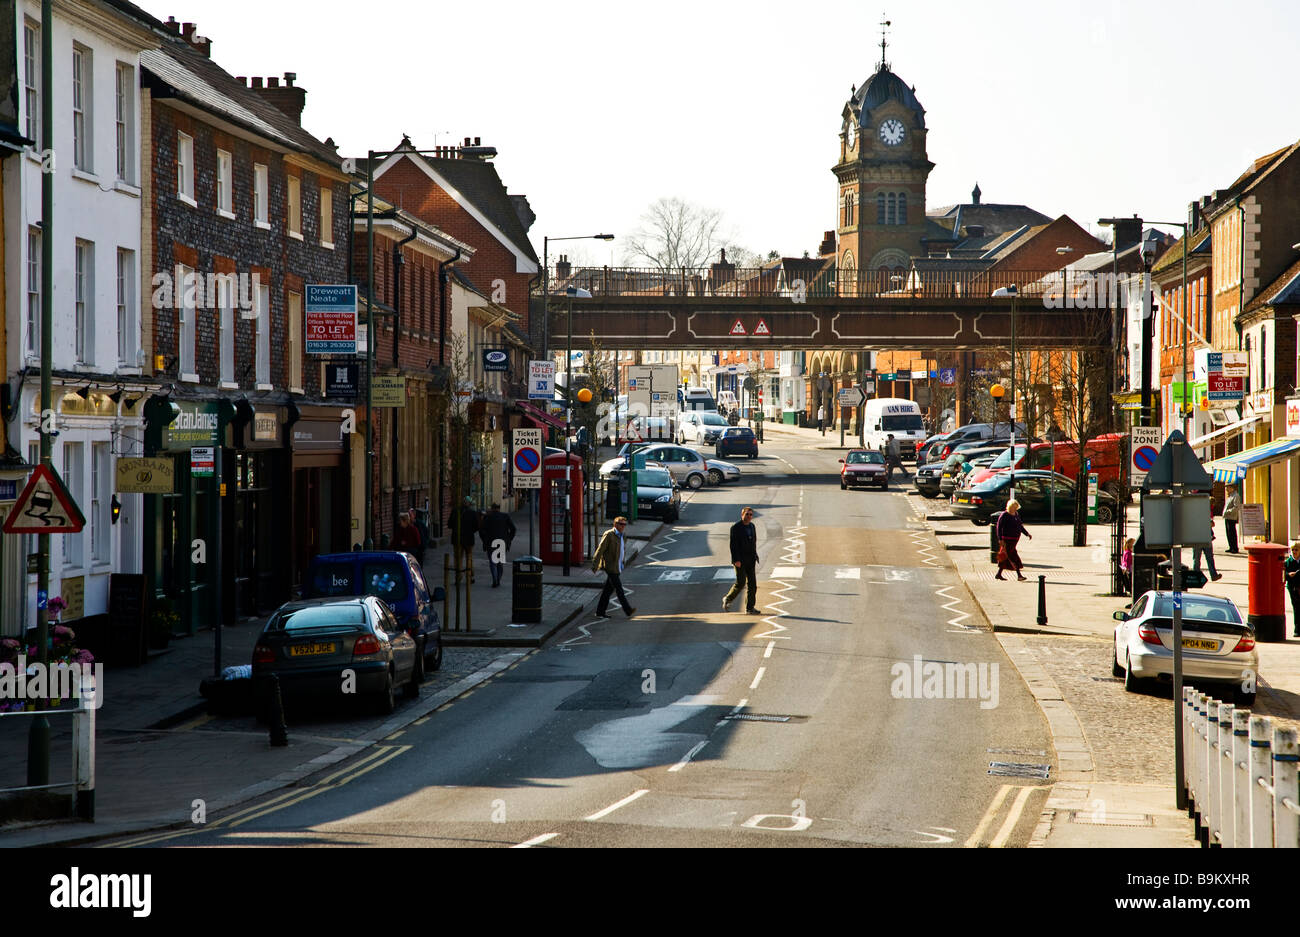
812 281
82 783
1243 776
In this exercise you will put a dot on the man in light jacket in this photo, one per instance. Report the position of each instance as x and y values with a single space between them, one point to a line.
610 557
1232 514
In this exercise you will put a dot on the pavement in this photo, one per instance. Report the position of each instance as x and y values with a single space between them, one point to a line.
1113 748
154 724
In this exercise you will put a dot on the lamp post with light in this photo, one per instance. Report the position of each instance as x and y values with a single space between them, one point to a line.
546 283
1000 293
568 420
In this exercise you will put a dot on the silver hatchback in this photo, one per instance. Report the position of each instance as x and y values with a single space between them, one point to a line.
689 469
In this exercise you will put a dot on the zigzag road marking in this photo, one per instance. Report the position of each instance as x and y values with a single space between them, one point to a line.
929 554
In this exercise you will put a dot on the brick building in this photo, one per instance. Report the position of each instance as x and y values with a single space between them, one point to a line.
243 208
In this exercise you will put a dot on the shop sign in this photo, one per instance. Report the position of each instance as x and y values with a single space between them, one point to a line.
1260 404
317 435
73 592
203 461
1252 520
1293 416
266 427
342 378
388 390
196 424
496 360
146 476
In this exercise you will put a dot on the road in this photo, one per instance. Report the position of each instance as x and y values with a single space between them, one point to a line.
688 726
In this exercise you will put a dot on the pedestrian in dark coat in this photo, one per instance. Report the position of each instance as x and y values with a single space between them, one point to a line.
1010 527
464 525
406 537
1291 570
496 526
744 556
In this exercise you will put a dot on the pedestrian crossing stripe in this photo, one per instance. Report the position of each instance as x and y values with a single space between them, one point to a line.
788 572
850 572
725 573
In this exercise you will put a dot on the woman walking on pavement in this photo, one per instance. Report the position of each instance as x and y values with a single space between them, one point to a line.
1010 527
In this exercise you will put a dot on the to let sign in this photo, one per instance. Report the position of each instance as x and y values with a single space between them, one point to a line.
1221 387
331 326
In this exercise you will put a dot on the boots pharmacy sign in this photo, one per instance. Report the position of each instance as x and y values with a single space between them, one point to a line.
331 326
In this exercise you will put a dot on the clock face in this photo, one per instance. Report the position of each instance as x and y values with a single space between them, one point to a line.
852 135
892 132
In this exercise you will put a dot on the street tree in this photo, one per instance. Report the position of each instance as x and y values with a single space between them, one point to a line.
676 234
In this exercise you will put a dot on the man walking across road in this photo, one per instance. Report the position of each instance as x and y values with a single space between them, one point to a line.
1232 514
744 556
821 420
611 555
894 456
496 526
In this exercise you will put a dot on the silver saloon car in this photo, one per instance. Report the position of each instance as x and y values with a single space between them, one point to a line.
1218 645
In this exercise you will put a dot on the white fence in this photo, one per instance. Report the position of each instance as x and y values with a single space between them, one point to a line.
1242 775
83 752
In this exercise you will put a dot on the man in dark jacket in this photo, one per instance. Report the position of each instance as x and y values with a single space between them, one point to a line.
496 526
744 556
463 526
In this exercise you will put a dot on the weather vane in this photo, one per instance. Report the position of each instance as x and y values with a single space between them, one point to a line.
884 24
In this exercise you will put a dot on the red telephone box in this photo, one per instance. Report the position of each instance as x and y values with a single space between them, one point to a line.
551 509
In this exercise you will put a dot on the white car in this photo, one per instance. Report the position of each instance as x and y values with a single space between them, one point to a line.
717 472
701 427
1218 646
687 466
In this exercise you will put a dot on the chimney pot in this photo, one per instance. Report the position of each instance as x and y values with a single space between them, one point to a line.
187 30
273 82
290 78
467 141
242 79
257 81
478 141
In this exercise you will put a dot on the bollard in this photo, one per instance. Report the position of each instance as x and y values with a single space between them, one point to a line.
1226 813
1241 778
1261 777
446 586
1209 809
1189 733
1042 601
469 580
83 732
1286 792
279 731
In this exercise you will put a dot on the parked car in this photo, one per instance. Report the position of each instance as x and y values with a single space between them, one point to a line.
948 479
687 466
310 645
720 471
1033 490
974 432
928 451
1218 646
863 467
392 576
700 426
657 495
926 479
736 440
1102 453
646 429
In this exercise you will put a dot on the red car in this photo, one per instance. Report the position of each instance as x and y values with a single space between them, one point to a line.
863 467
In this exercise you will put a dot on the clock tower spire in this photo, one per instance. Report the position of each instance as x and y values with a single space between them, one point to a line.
884 25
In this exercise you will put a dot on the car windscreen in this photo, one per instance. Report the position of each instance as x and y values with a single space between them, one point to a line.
317 616
653 478
1005 460
862 458
904 422
1196 609
712 419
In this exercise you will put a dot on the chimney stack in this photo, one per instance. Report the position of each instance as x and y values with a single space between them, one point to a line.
827 248
187 30
289 98
722 271
172 26
563 268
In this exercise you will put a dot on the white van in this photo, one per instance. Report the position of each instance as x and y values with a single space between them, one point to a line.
727 400
885 415
698 398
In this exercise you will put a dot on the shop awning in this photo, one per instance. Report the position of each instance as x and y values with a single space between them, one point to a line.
1238 427
539 414
1132 400
1232 469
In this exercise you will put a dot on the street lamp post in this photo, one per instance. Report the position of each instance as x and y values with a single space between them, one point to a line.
1185 411
1014 293
1148 253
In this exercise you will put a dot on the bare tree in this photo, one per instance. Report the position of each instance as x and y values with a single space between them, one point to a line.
674 233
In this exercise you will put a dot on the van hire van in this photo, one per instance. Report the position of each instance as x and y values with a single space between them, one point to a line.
883 416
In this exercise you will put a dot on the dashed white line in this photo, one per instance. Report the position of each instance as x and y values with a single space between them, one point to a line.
770 645
535 841
686 759
622 803
757 677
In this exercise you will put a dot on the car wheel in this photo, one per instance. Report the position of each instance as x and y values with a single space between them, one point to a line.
1115 669
1104 514
436 662
411 690
386 699
1116 491
695 481
715 477
1131 683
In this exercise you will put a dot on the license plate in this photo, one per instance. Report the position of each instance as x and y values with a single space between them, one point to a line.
962 499
1200 644
309 650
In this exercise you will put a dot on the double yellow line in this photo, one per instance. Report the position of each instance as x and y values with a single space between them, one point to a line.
380 755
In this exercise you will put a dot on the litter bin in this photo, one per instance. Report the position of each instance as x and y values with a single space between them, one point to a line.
993 537
614 498
1267 589
526 591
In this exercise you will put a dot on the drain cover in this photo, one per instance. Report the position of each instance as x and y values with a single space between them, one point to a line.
1089 818
1014 770
765 717
1016 751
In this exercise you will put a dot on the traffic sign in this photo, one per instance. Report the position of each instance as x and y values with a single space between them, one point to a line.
738 328
44 507
850 397
1191 474
1145 447
527 460
947 376
761 328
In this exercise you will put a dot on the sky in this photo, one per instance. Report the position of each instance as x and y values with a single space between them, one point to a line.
598 109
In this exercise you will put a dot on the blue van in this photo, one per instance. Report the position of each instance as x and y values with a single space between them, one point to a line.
392 576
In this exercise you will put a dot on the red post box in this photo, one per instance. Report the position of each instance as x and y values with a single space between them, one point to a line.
552 509
1267 591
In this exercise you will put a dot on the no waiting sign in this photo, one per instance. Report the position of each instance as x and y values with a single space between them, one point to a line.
1144 446
526 462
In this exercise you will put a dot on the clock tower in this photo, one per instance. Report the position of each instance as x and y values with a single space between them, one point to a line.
881 175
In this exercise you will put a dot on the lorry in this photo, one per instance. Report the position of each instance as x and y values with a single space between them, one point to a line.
885 416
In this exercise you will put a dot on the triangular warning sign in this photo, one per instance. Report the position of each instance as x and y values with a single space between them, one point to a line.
633 434
761 328
738 328
44 507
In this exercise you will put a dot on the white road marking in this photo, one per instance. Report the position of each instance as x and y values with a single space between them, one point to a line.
770 645
987 820
848 572
788 572
675 575
535 841
622 803
800 823
686 759
757 677
696 700
936 837
899 575
1017 808
725 573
